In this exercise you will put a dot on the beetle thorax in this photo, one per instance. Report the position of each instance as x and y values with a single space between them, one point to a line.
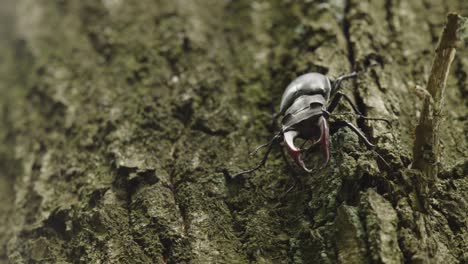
305 98
307 84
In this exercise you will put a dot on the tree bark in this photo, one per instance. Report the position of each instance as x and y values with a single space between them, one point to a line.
122 123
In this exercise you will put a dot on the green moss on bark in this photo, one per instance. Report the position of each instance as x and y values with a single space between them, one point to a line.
126 121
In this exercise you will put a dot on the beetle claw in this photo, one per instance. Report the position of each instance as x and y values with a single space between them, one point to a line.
295 152
324 144
322 141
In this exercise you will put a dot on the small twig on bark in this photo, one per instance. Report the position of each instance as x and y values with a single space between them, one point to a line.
426 144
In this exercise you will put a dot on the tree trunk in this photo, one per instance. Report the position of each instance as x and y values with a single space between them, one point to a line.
122 123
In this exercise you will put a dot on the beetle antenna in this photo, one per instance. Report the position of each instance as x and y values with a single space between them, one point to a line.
258 148
270 144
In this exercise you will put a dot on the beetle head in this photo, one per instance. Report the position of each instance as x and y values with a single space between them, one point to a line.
316 130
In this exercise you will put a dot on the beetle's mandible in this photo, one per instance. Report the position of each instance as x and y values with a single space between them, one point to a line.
305 108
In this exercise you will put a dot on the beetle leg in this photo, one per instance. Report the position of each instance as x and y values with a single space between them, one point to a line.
337 82
262 146
342 123
362 117
276 137
340 95
336 99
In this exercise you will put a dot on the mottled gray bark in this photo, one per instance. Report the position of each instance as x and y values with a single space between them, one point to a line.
121 123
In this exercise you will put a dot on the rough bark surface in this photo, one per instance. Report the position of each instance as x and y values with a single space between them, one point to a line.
121 123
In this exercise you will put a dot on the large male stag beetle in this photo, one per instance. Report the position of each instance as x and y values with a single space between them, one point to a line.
305 110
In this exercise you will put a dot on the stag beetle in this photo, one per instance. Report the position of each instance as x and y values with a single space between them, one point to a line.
305 115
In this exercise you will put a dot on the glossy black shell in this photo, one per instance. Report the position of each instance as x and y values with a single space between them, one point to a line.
298 91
